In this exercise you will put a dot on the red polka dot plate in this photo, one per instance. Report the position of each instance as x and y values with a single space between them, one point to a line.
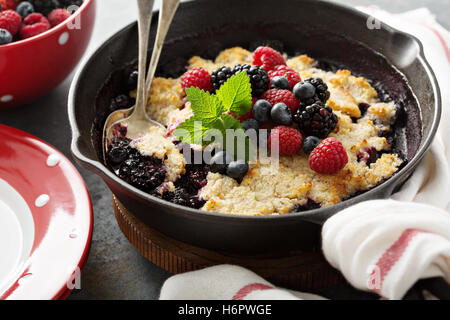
45 219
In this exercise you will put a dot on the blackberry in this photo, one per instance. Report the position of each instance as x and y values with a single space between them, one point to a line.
45 6
307 102
321 92
219 76
258 78
316 120
68 3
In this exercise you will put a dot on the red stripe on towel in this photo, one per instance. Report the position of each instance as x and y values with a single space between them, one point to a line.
246 290
392 255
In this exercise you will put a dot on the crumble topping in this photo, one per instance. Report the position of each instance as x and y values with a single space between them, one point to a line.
155 144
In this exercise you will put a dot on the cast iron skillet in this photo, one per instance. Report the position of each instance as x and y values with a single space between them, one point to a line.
334 34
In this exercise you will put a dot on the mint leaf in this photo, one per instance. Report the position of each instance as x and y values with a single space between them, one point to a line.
211 122
206 107
236 94
191 131
229 122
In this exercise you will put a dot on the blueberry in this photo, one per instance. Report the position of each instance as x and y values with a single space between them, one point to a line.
237 169
250 124
122 101
281 114
261 110
279 82
132 80
24 9
117 154
304 90
220 161
5 36
309 144
263 137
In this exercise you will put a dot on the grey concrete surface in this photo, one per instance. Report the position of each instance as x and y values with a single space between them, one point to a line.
115 270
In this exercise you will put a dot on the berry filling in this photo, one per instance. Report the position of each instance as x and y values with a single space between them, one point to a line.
367 155
143 172
309 205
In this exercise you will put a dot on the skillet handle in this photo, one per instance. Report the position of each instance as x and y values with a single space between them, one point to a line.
437 286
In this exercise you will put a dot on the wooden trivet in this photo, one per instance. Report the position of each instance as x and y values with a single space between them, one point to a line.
294 270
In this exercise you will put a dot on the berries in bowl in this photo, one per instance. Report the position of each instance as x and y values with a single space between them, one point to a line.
41 42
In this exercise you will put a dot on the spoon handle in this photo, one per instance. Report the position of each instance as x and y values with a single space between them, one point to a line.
145 9
166 13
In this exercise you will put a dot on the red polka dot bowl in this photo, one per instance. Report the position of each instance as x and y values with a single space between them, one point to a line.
32 67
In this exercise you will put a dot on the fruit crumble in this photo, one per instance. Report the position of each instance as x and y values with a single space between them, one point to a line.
332 133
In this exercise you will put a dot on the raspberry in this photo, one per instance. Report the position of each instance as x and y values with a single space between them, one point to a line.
290 140
275 96
328 157
11 21
34 24
196 77
284 71
57 16
9 4
267 58
247 116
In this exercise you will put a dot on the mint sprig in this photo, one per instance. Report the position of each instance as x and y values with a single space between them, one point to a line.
236 94
211 117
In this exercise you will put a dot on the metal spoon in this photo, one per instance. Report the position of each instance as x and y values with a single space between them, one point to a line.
135 118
